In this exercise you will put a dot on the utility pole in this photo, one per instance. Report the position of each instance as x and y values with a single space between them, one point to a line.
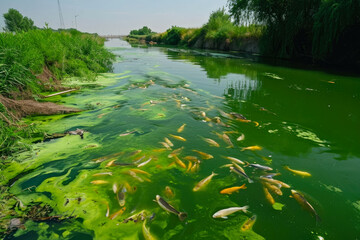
76 21
62 24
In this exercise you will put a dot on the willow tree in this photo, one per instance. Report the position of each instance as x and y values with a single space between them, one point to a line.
289 24
337 32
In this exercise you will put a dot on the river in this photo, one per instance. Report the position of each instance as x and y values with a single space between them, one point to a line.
307 120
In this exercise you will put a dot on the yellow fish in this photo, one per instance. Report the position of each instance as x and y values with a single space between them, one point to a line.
111 163
140 171
211 142
297 172
118 213
204 182
268 196
168 142
175 152
168 192
274 181
252 148
191 158
273 188
304 203
232 189
249 223
146 232
189 167
227 140
179 162
177 137
99 182
204 155
180 129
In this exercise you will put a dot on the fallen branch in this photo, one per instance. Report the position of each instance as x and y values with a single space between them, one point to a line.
59 93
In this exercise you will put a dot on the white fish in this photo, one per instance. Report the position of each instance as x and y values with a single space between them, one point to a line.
241 137
225 212
144 163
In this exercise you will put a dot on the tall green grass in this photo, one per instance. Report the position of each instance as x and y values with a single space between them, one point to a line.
23 55
65 53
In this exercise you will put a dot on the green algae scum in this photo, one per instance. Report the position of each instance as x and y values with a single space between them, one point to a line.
165 120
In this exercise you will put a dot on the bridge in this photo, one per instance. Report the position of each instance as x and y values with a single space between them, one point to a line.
113 36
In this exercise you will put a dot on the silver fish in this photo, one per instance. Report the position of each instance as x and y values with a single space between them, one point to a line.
242 173
258 166
144 163
225 212
167 207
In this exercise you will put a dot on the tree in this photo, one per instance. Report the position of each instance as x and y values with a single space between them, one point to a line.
15 22
142 31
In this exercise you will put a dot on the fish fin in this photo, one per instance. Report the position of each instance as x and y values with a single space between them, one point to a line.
182 216
214 174
224 217
246 164
250 181
291 196
245 209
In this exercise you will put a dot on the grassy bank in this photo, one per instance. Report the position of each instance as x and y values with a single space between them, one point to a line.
36 61
219 33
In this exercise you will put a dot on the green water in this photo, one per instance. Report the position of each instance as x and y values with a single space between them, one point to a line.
308 120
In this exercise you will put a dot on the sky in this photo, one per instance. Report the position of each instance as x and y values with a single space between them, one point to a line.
115 16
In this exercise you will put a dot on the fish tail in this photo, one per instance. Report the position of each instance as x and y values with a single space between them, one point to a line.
182 216
245 209
214 174
246 164
318 219
250 181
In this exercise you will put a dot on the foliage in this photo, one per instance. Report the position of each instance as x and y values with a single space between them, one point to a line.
219 29
65 53
15 22
326 30
337 31
142 31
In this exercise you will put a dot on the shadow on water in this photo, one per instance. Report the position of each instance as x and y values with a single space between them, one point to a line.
275 95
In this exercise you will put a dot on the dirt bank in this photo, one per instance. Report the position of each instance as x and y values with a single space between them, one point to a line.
22 108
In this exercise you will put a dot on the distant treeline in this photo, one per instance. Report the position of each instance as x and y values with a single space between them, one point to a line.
218 33
325 32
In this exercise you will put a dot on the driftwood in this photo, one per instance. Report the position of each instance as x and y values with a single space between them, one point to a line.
59 93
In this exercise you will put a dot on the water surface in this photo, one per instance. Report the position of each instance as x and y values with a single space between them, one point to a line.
305 119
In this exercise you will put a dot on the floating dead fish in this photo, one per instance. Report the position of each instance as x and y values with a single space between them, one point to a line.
191 158
168 192
274 181
227 140
111 163
204 182
126 133
144 163
180 129
258 166
203 155
96 182
225 212
166 145
167 207
140 171
252 148
268 196
102 174
232 189
177 137
211 142
169 143
232 159
275 189
298 172
118 213
237 170
305 204
175 152
241 137
179 162
249 223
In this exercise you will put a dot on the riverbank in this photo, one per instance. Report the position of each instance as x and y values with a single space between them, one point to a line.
34 64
